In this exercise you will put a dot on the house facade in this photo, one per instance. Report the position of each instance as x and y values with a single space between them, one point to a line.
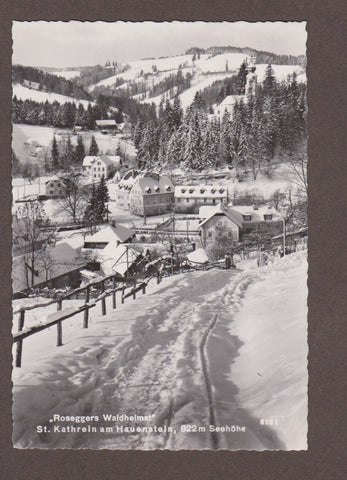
189 198
151 194
124 186
101 166
106 125
54 187
237 223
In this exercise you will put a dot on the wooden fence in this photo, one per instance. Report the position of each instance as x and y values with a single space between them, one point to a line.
58 317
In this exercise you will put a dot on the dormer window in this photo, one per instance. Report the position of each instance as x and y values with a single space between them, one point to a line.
213 190
148 190
191 190
247 218
157 189
168 188
183 190
221 190
202 190
268 216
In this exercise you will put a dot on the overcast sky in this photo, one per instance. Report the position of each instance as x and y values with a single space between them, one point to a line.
61 44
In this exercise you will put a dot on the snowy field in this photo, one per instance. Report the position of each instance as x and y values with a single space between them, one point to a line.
240 335
24 93
107 144
67 74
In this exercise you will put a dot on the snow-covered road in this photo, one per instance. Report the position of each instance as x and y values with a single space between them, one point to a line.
165 357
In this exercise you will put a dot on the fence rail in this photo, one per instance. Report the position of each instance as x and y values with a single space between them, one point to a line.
60 315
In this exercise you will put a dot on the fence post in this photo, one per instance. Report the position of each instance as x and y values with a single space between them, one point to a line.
20 343
114 305
123 288
103 300
86 311
134 291
143 288
59 325
158 277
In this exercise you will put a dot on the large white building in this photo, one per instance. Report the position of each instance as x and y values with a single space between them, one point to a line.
101 166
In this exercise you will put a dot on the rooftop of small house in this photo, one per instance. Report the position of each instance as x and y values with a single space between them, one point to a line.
240 214
110 233
106 123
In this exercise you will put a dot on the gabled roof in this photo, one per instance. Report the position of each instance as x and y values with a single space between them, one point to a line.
54 178
111 234
231 100
257 213
109 160
151 184
117 258
221 210
106 123
89 160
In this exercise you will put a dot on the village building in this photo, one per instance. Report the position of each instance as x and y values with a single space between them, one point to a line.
119 258
151 194
227 105
111 233
54 187
124 128
237 222
101 166
188 198
106 126
33 85
124 186
88 163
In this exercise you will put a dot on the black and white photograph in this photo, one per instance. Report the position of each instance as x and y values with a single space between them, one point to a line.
159 222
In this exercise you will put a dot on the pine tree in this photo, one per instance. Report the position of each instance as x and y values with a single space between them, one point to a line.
269 83
55 154
93 149
241 79
79 153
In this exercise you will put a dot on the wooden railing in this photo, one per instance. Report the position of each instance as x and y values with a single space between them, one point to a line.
59 316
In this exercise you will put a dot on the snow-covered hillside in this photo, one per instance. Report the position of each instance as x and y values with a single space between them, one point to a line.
67 74
240 335
24 93
205 70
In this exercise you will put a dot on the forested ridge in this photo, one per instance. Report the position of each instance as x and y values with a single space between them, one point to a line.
49 82
266 127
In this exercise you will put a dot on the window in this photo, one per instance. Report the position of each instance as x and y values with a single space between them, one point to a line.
188 200
247 218
209 233
178 200
268 216
230 234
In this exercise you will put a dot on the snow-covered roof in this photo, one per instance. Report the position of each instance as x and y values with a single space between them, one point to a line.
256 213
117 258
198 256
201 191
89 160
106 123
111 234
76 242
221 209
54 178
231 100
151 184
